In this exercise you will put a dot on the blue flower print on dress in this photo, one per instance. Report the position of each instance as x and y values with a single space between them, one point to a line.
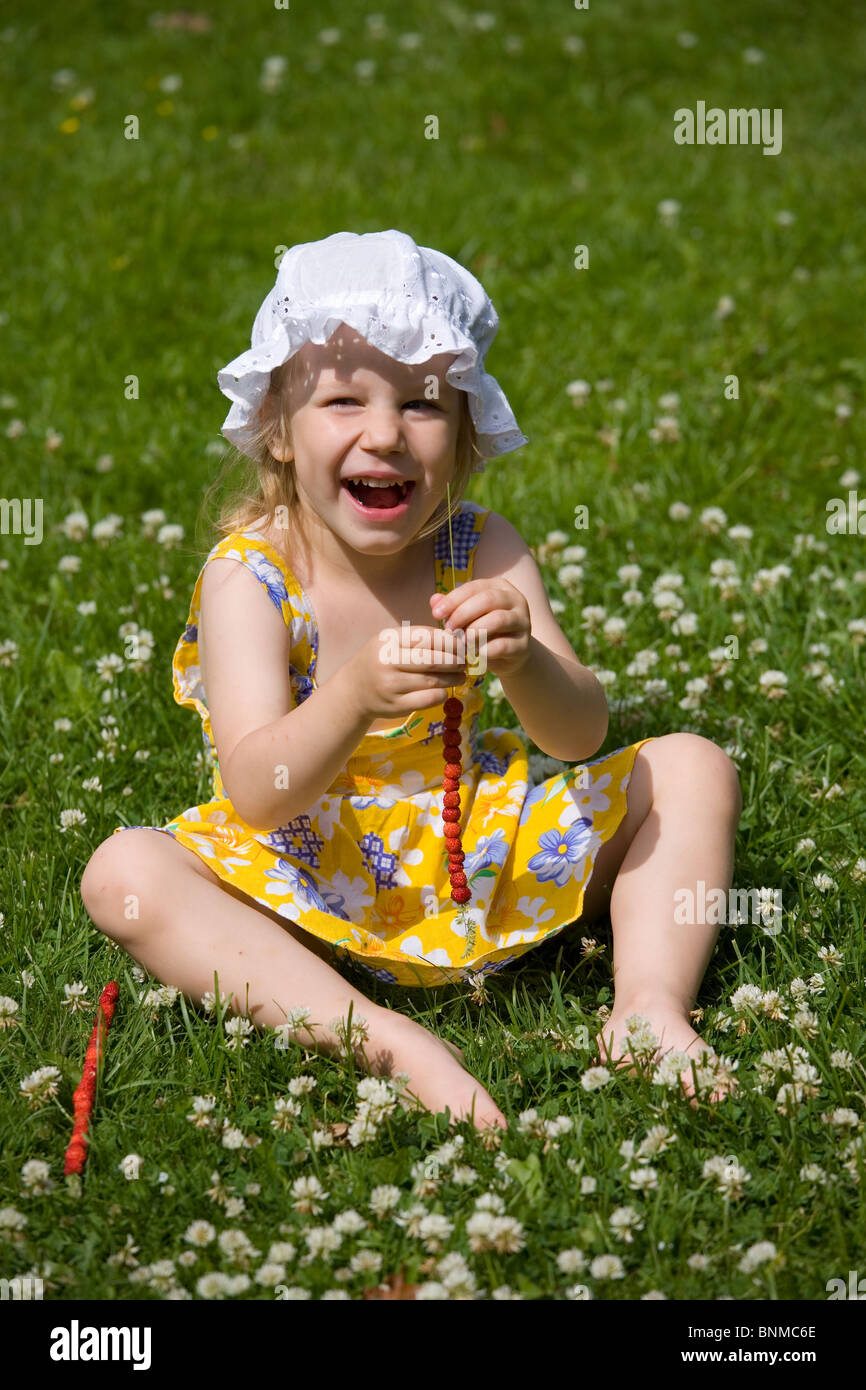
560 850
266 571
386 802
489 762
489 850
384 975
190 633
297 838
302 686
288 879
434 728
378 861
489 967
533 795
336 902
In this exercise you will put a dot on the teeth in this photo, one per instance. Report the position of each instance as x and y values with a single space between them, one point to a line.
378 482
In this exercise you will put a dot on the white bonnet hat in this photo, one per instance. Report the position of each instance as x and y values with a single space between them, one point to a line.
408 301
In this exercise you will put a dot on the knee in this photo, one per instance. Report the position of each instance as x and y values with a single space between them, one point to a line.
689 760
114 882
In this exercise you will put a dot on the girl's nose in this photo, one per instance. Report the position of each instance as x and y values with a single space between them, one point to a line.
382 428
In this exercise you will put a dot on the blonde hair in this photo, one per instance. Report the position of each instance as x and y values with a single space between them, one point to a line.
268 483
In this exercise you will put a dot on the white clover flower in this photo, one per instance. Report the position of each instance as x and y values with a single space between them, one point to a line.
151 520
713 519
571 1261
236 1245
35 1176
281 1252
666 430
844 1118
433 1230
644 1179
11 1220
237 1030
607 1267
169 535
75 526
756 1255
349 1222
668 210
75 999
667 600
595 1077
308 1193
570 577
108 528
40 1085
813 1173
842 1059
199 1233
8 1010
771 679
830 955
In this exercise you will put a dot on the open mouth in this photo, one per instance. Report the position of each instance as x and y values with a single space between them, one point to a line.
378 498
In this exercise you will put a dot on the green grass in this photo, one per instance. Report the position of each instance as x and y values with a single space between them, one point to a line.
147 258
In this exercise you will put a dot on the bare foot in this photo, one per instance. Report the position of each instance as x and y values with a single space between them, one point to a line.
671 1028
436 1077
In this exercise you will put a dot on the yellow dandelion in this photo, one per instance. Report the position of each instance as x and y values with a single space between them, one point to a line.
165 108
210 132
70 125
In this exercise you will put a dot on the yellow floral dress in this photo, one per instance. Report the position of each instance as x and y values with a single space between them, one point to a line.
366 867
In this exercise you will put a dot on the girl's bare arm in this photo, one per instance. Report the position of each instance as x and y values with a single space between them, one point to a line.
275 760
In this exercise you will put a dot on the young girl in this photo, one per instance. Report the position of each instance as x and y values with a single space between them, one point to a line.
366 406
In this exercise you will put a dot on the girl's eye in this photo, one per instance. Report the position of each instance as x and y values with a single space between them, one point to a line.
350 400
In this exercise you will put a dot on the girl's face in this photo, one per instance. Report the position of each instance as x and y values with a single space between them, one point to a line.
356 413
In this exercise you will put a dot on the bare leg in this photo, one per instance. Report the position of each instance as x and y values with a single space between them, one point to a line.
684 803
190 924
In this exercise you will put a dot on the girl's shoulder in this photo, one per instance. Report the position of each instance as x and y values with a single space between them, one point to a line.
266 561
256 547
500 546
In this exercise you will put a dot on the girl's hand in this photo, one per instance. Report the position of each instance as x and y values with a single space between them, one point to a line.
497 612
402 669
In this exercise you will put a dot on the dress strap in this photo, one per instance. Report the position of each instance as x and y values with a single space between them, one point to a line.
265 563
466 527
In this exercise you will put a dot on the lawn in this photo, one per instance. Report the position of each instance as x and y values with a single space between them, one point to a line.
697 387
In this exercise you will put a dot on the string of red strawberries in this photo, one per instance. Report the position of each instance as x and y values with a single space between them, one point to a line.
82 1098
460 891
451 741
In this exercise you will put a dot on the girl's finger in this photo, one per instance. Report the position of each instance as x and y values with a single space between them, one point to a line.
469 609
